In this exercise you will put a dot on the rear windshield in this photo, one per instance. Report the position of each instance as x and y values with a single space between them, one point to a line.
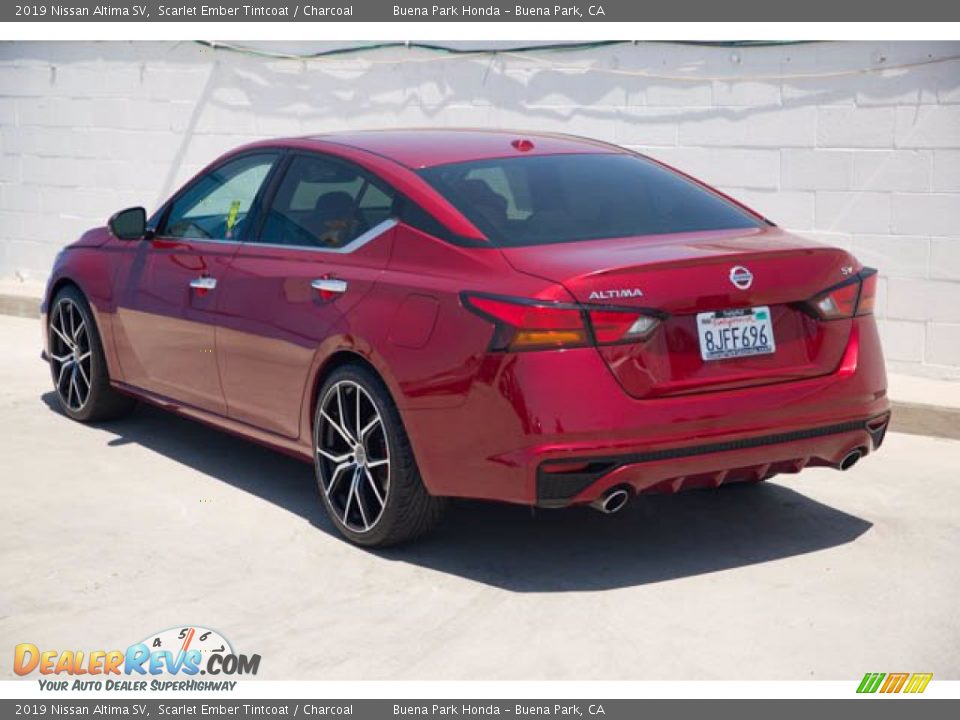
564 198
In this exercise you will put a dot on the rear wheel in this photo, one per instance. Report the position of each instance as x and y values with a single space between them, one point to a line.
368 477
77 363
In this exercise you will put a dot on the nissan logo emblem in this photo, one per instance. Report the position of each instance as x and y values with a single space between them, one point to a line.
741 277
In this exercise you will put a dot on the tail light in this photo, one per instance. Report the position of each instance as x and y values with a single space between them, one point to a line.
855 296
522 324
868 292
525 325
617 326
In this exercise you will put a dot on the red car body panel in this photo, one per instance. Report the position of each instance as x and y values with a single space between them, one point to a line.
553 427
165 337
425 148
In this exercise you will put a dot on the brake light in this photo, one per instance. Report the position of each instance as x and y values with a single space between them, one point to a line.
838 303
616 326
522 324
855 296
868 292
526 325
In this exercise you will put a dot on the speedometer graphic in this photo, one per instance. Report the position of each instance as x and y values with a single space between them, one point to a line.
187 642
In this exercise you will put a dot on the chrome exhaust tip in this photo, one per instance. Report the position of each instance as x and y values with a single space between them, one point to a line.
613 501
850 459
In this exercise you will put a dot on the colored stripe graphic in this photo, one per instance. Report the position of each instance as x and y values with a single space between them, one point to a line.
894 683
918 682
870 682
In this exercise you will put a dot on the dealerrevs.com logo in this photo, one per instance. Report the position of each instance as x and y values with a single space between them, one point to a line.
168 660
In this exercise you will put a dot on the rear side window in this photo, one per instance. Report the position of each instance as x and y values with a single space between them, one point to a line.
565 198
323 202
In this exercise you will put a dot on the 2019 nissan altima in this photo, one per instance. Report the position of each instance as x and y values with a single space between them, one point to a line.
424 314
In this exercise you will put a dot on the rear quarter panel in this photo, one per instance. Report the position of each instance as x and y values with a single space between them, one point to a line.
412 328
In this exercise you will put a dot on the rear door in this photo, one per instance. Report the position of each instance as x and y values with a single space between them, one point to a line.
168 286
322 242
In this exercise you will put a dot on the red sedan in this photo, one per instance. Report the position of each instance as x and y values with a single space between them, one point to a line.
423 314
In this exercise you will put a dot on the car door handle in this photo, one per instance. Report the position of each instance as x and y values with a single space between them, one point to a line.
329 286
203 283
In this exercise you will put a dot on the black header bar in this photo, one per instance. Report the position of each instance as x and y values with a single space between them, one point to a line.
572 11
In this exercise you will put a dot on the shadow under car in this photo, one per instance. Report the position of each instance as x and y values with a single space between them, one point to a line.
655 538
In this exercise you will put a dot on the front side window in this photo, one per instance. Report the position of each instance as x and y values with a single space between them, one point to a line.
216 206
325 203
564 198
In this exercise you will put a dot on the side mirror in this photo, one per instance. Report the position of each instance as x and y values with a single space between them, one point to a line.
129 224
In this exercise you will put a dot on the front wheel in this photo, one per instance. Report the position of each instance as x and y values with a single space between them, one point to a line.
368 477
77 363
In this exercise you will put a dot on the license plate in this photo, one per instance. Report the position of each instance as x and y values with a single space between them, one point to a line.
735 333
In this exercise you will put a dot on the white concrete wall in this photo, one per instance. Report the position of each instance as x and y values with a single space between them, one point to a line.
866 160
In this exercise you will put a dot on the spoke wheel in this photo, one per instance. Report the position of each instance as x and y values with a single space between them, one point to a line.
353 456
71 359
78 367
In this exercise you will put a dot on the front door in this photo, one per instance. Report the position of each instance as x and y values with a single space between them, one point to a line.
168 286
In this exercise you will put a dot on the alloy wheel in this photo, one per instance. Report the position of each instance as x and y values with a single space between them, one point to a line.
353 456
70 357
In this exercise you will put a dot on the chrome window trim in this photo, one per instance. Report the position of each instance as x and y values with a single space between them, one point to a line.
358 242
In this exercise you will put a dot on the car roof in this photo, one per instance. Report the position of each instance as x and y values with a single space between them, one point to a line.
425 147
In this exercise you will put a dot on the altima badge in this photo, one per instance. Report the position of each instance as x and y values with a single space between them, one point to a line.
741 277
616 294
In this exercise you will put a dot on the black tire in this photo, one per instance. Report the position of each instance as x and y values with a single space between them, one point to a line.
101 401
407 511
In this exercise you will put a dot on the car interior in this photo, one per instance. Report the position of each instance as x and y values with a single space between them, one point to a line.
320 203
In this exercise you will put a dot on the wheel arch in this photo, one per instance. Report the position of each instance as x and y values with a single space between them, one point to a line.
59 284
101 317
337 359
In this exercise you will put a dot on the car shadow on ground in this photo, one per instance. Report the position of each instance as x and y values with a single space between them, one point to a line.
656 538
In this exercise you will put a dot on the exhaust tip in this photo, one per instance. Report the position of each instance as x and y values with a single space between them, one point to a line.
850 459
614 501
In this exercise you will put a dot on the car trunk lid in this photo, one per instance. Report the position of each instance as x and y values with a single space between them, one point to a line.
684 275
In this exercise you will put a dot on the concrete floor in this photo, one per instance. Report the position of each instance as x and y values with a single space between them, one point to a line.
110 533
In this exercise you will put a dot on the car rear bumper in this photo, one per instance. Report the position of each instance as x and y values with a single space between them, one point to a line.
556 428
748 459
